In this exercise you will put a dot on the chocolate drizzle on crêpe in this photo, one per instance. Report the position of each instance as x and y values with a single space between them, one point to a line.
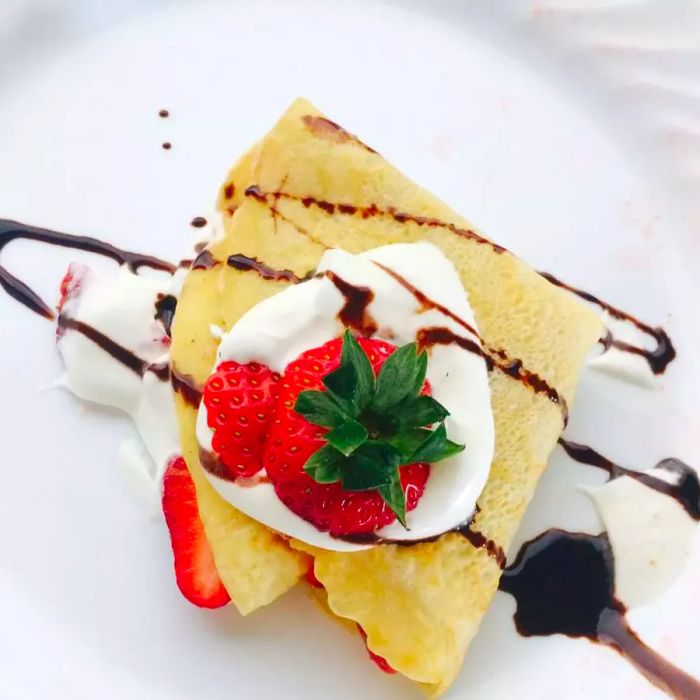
241 262
205 260
13 230
498 359
186 386
658 358
370 211
563 583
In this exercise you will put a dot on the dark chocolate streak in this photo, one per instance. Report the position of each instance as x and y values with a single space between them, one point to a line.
241 262
564 583
371 211
198 222
686 491
477 539
13 230
439 335
121 354
658 359
185 385
212 464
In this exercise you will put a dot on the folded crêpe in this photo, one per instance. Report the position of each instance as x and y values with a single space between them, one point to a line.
310 185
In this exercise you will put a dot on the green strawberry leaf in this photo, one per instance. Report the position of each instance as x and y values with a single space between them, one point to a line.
394 497
436 447
408 442
418 412
353 355
325 465
373 464
343 383
320 408
347 437
401 377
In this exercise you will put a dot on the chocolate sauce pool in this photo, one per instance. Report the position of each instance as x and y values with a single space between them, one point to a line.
563 583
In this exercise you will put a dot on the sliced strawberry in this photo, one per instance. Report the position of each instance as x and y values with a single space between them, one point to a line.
381 662
293 439
240 401
195 570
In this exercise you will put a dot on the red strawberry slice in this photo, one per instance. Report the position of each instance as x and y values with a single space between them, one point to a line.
240 400
293 439
381 662
195 570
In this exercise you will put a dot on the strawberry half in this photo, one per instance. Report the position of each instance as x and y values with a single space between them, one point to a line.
293 439
195 570
240 400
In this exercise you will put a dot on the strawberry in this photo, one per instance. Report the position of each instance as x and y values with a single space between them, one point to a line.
70 284
371 467
381 662
240 401
195 570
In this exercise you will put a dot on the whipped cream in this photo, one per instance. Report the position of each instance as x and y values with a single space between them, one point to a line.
650 533
621 364
120 305
279 329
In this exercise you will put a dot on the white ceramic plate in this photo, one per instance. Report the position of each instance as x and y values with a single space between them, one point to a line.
570 132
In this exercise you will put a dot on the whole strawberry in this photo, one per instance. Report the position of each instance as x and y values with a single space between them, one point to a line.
240 401
350 445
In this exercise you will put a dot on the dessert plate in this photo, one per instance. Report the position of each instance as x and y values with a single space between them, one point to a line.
571 136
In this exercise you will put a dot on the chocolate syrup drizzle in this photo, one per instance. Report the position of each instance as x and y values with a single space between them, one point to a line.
238 261
205 260
121 354
186 386
355 313
372 211
686 492
564 583
13 230
658 359
476 538
165 306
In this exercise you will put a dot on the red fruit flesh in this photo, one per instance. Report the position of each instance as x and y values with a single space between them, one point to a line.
195 570
292 440
381 662
240 401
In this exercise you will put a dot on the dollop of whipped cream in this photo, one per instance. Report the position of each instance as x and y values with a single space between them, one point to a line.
120 306
651 535
307 315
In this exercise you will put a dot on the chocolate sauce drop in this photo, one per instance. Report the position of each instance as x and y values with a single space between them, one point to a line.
166 305
658 359
14 230
198 222
686 490
123 355
238 261
563 583
163 114
167 146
